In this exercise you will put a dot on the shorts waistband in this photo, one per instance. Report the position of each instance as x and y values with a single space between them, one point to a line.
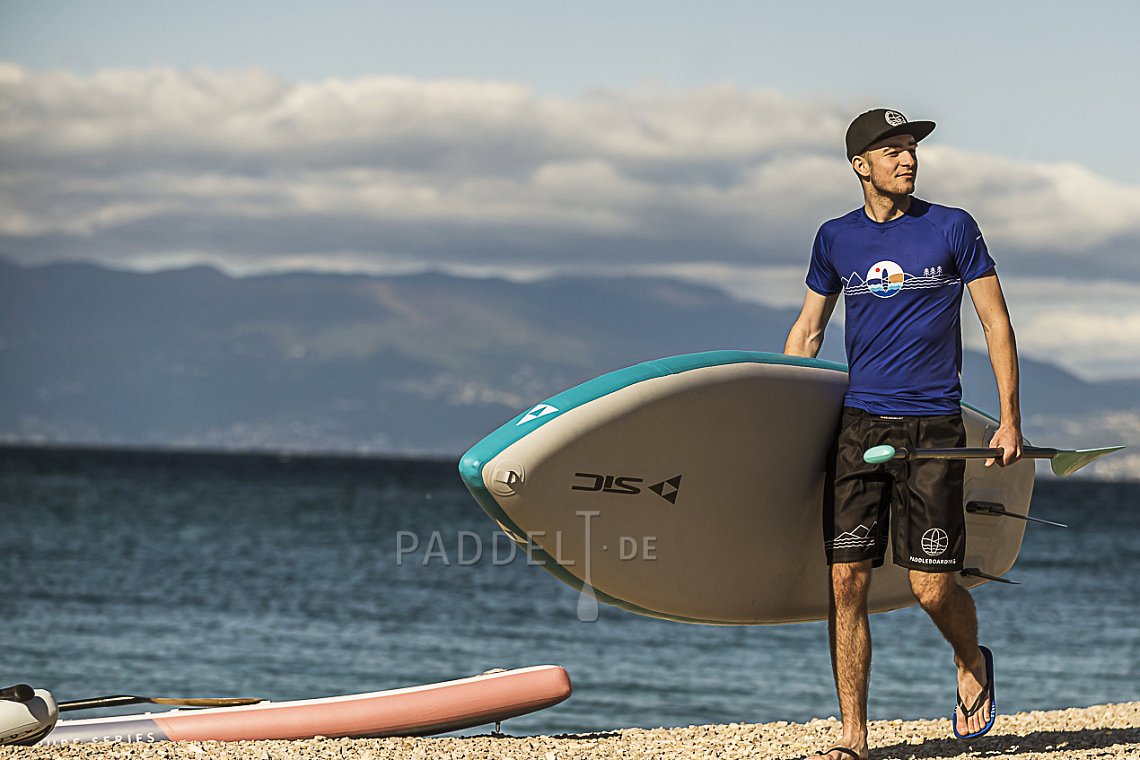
899 417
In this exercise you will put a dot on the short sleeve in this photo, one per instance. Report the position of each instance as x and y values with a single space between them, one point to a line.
969 247
821 276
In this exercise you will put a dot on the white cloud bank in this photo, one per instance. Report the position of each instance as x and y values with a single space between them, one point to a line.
156 168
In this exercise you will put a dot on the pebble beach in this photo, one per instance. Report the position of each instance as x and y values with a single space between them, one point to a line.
1102 731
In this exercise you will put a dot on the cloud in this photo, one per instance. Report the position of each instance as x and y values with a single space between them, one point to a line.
1096 331
156 168
1089 326
1052 211
249 171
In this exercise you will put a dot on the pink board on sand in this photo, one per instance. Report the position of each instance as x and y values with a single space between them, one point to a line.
412 711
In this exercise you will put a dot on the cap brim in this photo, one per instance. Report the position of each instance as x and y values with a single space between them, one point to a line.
917 129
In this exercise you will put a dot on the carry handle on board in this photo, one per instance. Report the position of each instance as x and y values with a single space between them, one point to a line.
1063 461
979 574
21 692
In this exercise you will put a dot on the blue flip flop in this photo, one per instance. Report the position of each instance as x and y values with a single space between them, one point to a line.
987 691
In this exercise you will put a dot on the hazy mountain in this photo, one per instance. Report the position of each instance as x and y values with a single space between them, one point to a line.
424 363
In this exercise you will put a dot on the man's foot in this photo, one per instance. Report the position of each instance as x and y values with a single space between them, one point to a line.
975 712
842 752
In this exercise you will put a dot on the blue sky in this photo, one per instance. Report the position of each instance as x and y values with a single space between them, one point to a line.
1045 81
525 139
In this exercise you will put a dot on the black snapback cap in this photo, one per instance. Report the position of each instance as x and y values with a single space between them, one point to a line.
878 124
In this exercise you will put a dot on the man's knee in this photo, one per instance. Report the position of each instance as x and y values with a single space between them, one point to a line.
932 590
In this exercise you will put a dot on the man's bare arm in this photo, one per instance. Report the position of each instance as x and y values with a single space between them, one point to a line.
806 335
989 302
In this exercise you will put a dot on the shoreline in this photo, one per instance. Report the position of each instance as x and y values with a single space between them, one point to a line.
1100 731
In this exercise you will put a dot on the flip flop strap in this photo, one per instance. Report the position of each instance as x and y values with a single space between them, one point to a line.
845 750
968 712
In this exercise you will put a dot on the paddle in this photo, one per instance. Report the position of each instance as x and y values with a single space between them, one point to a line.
129 699
1064 461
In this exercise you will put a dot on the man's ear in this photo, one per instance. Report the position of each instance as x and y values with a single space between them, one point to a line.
861 166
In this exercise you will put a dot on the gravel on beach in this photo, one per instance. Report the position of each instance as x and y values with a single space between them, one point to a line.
1102 731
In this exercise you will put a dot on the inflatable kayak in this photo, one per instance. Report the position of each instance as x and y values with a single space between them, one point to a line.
412 711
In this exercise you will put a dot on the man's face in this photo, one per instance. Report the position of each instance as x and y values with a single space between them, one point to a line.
891 165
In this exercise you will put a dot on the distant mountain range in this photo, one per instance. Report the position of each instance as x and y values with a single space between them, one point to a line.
421 364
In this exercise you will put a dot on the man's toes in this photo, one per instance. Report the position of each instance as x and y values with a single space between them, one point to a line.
981 717
975 722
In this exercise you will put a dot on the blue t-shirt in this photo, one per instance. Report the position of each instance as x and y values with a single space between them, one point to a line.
902 289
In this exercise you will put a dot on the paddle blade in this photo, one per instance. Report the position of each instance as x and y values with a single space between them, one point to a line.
1067 462
879 454
207 701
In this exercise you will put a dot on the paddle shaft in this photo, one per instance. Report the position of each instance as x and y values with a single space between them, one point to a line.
1063 462
129 699
1027 452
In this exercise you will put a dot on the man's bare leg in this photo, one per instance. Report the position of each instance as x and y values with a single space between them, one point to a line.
952 609
850 634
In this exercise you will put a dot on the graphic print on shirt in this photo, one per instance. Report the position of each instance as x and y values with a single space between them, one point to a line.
886 278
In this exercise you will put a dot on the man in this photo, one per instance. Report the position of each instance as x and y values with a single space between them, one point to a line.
901 264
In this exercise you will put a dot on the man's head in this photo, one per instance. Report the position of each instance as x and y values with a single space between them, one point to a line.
881 145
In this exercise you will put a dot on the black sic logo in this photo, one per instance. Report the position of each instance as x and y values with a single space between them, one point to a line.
625 485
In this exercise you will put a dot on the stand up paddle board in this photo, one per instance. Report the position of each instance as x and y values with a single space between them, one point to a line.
414 711
690 488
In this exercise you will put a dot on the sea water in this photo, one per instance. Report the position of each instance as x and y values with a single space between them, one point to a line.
174 575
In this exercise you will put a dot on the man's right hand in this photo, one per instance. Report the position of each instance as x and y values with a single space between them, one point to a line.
1008 439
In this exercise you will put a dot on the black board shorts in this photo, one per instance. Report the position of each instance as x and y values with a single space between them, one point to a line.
917 503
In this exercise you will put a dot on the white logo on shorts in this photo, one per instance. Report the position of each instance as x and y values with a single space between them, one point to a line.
935 541
894 118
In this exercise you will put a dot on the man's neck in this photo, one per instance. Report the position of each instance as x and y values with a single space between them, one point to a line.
884 208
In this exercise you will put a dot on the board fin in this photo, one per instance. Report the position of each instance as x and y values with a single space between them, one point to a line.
979 574
999 510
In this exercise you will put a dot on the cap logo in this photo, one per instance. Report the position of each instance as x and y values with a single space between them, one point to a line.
894 118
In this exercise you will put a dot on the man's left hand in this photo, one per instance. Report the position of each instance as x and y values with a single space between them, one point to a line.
1007 438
